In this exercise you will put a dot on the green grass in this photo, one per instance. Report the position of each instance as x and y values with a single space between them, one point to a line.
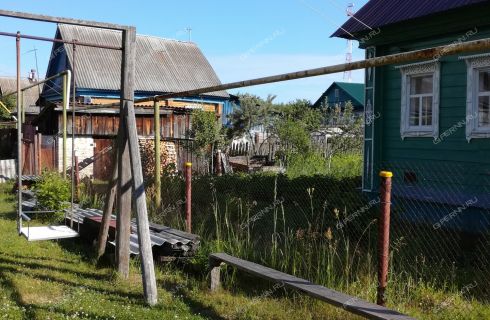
61 280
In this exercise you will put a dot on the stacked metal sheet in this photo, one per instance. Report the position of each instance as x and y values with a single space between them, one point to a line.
165 241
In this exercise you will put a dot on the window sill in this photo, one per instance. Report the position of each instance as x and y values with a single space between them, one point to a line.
417 134
478 135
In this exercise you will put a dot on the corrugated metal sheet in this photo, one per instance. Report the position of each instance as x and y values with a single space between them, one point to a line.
379 13
7 170
169 241
9 85
162 65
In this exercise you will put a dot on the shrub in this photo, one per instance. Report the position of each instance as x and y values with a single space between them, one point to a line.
53 193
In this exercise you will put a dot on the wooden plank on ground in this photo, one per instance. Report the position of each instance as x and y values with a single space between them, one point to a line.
338 299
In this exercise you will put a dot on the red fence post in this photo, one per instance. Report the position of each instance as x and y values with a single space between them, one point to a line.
384 236
188 196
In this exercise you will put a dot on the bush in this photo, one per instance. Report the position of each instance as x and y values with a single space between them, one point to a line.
306 164
53 193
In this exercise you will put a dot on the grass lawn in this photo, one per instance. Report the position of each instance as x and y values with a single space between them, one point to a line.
60 280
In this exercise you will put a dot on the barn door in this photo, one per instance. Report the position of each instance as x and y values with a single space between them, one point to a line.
103 158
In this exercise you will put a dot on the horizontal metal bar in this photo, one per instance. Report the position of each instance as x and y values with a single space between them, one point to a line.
40 211
45 18
38 83
78 43
412 56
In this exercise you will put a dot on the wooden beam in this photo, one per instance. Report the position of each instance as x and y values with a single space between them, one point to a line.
128 75
124 190
45 18
351 304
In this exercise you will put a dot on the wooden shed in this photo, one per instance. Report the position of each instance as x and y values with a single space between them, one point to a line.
162 66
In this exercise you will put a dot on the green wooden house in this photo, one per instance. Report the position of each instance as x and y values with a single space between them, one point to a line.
339 93
428 121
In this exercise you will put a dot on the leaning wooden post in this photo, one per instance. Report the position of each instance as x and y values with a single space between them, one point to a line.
108 207
144 241
188 196
384 236
158 166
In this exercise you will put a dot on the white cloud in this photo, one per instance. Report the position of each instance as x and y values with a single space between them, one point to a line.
234 68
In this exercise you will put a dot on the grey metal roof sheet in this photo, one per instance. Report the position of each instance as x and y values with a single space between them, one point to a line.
379 13
162 65
9 85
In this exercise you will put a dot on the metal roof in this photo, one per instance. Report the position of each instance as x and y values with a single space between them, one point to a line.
162 65
9 85
355 90
380 13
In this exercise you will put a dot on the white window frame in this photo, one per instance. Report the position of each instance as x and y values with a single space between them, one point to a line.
475 64
412 70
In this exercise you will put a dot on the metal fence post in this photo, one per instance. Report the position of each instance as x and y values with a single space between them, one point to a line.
188 196
384 236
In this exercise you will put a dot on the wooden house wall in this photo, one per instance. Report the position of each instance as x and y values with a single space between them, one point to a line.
467 164
173 126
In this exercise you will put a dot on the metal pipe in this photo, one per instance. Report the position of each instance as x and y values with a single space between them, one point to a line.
66 104
424 54
188 196
45 18
85 44
158 166
384 236
74 103
19 138
39 82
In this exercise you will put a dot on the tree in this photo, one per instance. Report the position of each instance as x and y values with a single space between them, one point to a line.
10 102
206 131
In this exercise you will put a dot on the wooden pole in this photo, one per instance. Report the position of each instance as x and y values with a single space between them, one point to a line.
188 196
74 104
384 236
124 189
144 241
108 208
66 97
158 165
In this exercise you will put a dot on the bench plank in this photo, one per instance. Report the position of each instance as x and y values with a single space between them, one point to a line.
349 303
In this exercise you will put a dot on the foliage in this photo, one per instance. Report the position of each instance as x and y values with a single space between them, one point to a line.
91 195
206 131
52 192
306 164
293 136
345 165
253 111
10 103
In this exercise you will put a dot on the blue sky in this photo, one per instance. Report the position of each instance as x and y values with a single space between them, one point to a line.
241 39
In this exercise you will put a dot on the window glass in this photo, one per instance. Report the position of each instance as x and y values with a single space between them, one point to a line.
484 111
421 84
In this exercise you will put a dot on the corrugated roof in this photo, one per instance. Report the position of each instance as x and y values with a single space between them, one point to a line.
9 85
162 65
380 13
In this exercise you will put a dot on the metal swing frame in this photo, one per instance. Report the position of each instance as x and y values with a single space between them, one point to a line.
51 232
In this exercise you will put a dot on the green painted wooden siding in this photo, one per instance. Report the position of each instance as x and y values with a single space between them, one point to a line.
417 154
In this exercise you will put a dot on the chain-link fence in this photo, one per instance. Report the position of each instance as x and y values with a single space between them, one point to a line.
324 229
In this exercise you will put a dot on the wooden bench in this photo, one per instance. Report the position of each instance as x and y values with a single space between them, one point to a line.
352 304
